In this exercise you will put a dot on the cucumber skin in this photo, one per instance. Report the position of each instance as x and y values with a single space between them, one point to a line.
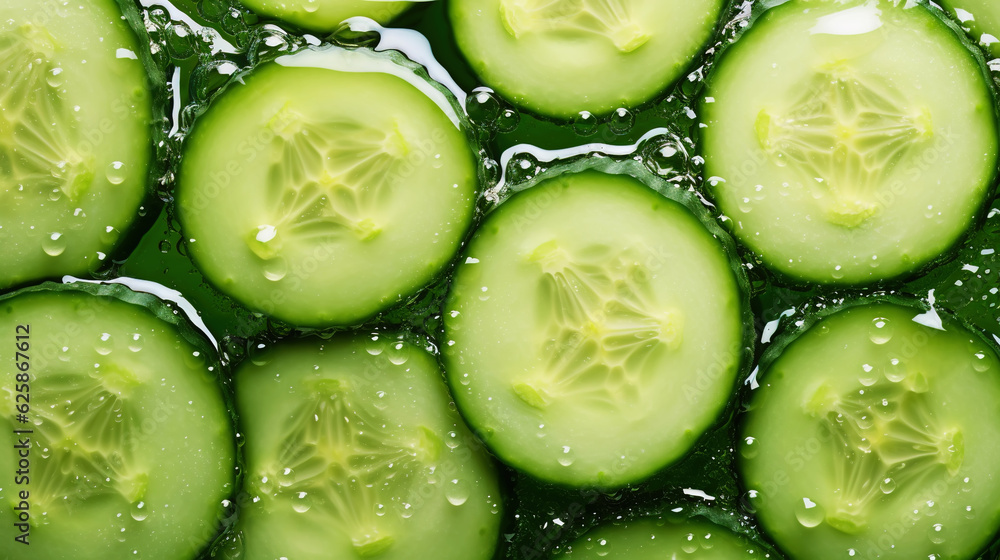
453 361
805 319
987 20
938 23
90 301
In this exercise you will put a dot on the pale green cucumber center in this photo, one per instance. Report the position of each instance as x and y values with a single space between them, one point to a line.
884 435
600 324
611 19
37 138
326 181
843 135
346 460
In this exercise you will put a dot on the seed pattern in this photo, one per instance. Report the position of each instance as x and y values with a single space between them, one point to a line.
85 431
327 179
38 136
611 19
843 133
603 326
349 462
887 431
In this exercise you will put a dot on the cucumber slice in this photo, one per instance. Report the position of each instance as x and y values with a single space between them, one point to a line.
561 57
326 15
849 142
132 449
353 452
982 18
595 330
874 436
661 539
75 141
327 186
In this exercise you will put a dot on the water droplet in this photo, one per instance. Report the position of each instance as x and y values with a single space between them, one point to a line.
749 448
406 510
275 269
286 477
622 121
55 77
749 501
809 513
880 331
104 344
979 362
302 502
135 344
258 354
374 345
508 121
139 511
887 485
868 375
457 492
937 533
895 371
483 108
115 172
969 513
398 353
164 246
566 458
585 124
310 6
54 244
689 545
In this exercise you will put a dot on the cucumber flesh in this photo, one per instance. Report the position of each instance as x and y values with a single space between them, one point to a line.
327 186
981 18
594 331
75 141
353 452
326 15
132 450
849 142
660 539
561 57
873 436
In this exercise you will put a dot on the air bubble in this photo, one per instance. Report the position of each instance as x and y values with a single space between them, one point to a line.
179 39
622 121
508 120
880 331
54 244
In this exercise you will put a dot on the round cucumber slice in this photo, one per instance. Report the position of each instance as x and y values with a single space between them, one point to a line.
353 452
326 15
127 450
660 539
561 57
982 18
849 142
75 140
595 330
874 436
327 186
